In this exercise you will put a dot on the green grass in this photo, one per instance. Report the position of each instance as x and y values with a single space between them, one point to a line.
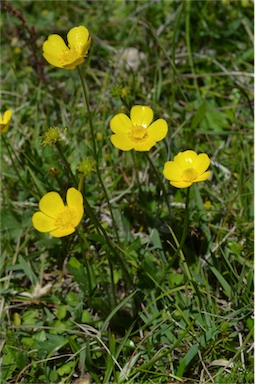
152 314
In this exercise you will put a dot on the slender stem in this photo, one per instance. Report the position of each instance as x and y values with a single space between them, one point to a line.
81 183
184 235
187 37
84 241
102 231
159 181
182 257
181 243
175 80
7 145
80 187
86 98
112 282
92 132
66 164
86 203
108 203
96 222
185 228
134 158
186 221
8 277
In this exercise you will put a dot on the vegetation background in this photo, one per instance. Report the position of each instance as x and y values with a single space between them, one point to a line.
185 317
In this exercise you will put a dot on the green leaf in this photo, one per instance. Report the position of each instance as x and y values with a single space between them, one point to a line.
61 312
222 281
186 360
85 316
72 298
9 364
79 274
10 224
23 264
199 115
66 368
51 345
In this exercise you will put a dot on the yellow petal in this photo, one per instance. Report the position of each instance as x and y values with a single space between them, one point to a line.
185 159
202 177
120 123
4 128
7 116
73 63
141 115
42 222
57 62
158 129
74 199
79 40
181 184
202 163
62 232
5 121
51 204
172 171
53 50
144 146
121 141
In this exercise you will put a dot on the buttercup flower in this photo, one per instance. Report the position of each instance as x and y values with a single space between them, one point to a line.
57 53
86 166
5 121
53 135
137 132
187 168
55 217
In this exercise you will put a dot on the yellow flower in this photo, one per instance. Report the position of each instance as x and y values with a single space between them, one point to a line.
5 121
187 168
207 204
57 53
55 217
137 132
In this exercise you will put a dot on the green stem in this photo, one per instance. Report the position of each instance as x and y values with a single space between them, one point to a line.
92 132
184 235
102 231
66 164
159 181
112 282
7 145
186 221
81 183
94 219
182 257
134 158
86 98
84 241
187 37
181 243
174 79
80 187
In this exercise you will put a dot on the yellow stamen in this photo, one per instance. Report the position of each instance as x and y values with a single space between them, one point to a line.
138 133
189 174
66 218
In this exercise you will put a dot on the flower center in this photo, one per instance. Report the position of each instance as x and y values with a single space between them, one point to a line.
138 133
189 174
69 56
66 218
